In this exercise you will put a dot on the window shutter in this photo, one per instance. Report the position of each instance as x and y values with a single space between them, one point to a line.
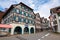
19 19
24 19
28 20
25 13
14 17
20 12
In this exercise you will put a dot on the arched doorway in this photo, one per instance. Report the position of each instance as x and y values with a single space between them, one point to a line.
32 30
26 30
18 30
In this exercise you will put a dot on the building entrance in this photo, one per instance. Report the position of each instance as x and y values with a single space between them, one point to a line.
18 30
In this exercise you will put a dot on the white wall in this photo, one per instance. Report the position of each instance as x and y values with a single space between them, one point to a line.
22 26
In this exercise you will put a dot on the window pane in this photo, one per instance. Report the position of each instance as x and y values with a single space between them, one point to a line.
17 10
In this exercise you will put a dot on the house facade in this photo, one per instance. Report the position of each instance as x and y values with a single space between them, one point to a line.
55 19
44 23
21 17
37 22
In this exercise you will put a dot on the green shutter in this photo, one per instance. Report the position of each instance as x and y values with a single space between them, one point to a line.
28 15
25 8
24 19
19 19
31 21
14 17
28 20
25 13
31 16
20 12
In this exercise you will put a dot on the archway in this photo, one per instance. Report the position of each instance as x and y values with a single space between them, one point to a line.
26 30
18 30
32 30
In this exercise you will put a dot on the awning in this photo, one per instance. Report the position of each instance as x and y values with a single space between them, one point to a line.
5 26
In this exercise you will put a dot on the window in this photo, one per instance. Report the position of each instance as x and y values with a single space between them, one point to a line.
54 16
26 20
19 19
6 21
16 18
29 15
33 22
17 11
32 16
55 22
20 12
22 19
14 9
30 21
22 6
26 14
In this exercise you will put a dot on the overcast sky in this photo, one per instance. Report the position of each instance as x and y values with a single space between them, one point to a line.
41 6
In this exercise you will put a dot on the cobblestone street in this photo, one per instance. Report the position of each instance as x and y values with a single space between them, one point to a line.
38 36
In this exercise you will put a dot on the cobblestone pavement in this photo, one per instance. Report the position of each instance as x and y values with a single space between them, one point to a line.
45 35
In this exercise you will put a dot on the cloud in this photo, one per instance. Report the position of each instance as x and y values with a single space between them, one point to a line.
41 6
7 3
44 9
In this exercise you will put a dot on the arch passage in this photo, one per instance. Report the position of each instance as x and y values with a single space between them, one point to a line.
32 30
18 30
26 30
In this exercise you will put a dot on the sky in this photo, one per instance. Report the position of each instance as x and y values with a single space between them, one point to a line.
40 6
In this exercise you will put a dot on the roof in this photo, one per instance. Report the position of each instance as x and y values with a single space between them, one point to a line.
26 5
55 10
12 6
8 10
1 15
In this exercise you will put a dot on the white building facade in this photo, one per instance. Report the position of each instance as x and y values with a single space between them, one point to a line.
55 13
21 18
